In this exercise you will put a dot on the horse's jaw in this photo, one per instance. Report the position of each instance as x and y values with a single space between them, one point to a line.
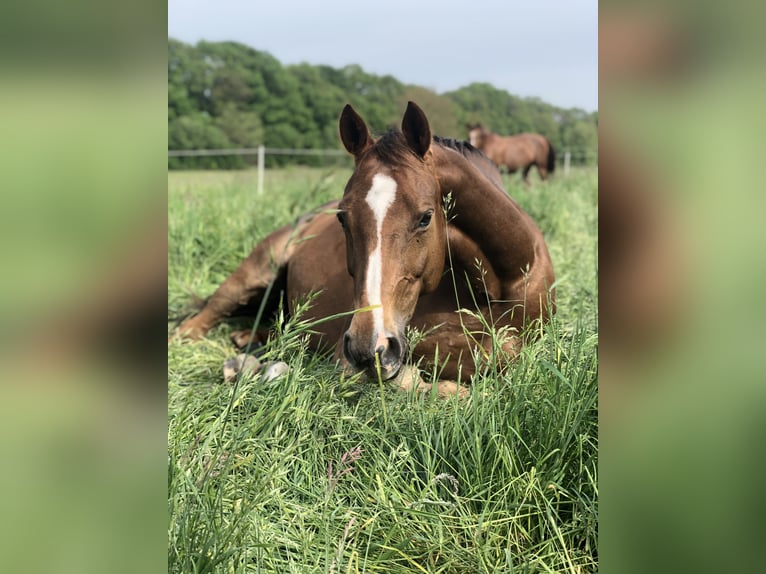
385 374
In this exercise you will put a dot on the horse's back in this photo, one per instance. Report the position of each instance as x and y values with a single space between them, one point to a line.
516 151
539 143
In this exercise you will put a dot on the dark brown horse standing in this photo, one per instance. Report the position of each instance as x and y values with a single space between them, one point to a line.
518 152
388 250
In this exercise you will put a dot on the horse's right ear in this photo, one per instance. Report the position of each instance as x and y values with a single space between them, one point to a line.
353 132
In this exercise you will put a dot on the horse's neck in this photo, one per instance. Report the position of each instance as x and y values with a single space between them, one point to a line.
484 212
487 167
494 147
468 260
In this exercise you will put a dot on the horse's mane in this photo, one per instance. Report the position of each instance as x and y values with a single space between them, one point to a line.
391 147
461 146
474 155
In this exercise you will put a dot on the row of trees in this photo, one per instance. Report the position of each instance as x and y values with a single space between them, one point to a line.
228 95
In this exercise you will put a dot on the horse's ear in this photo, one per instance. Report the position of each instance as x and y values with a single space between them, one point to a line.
416 130
353 132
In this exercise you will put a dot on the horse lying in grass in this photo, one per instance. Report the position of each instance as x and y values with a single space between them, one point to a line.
424 229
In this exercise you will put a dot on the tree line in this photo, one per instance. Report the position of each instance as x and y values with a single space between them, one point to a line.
225 95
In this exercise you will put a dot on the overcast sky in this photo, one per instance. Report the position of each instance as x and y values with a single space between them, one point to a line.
543 48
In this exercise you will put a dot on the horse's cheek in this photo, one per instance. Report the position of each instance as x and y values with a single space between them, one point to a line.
416 257
431 274
349 259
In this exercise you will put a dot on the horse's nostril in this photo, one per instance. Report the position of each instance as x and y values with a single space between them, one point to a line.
386 356
347 349
394 347
390 354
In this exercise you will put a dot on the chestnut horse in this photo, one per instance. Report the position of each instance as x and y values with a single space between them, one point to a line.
521 151
397 251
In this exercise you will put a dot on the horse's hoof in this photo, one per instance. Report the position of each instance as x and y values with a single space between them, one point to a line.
272 370
445 389
242 364
189 329
243 339
409 378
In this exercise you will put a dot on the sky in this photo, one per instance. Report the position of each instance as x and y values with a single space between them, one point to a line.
542 48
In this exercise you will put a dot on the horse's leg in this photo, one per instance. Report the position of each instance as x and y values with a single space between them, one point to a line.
449 349
542 170
246 286
525 174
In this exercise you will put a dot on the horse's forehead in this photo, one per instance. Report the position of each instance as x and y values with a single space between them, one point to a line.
364 180
381 194
474 134
395 187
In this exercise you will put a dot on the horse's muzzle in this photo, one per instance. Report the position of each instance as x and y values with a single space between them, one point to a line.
387 356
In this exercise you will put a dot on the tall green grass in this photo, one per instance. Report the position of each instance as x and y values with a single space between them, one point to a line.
316 472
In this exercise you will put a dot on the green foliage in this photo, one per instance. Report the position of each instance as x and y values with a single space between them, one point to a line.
241 97
243 128
316 472
199 131
439 109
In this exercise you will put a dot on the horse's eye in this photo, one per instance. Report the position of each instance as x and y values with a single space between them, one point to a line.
341 218
425 220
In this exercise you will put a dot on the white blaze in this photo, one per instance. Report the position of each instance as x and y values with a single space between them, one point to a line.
379 198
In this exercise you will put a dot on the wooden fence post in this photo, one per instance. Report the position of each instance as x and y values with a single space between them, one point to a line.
261 166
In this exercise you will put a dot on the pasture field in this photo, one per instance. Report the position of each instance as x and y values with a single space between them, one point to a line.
314 472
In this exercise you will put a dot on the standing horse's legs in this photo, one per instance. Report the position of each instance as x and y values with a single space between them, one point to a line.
525 174
246 286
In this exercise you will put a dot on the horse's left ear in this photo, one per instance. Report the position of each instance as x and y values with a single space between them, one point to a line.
416 130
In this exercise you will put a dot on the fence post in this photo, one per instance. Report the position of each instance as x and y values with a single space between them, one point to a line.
261 166
567 158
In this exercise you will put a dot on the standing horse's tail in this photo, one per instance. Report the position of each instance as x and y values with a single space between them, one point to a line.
551 157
